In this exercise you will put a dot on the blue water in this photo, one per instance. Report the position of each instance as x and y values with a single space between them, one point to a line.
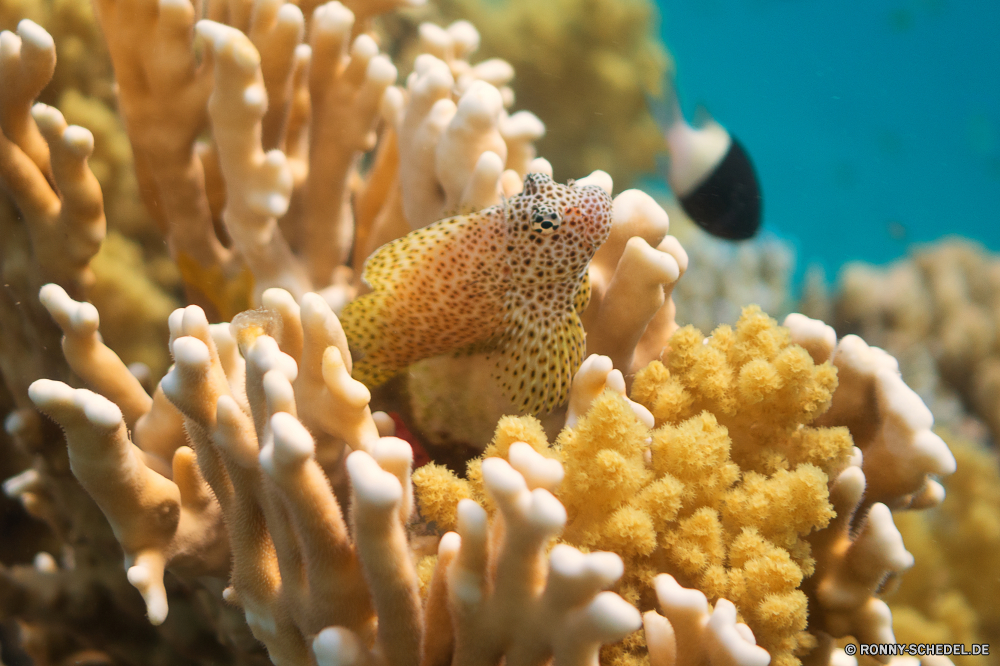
874 125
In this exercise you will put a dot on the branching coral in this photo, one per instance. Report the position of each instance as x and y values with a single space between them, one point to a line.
253 486
937 312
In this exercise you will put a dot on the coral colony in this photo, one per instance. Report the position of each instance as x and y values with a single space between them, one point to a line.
684 500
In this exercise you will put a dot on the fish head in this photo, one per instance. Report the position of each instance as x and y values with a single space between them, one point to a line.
554 230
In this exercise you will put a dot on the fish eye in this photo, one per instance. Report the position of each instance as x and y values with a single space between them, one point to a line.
545 218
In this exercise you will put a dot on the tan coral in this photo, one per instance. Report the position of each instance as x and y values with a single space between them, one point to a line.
689 633
903 456
66 226
298 565
345 94
163 94
514 615
936 312
226 446
631 313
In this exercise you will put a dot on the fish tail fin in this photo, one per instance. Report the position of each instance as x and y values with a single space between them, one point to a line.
665 107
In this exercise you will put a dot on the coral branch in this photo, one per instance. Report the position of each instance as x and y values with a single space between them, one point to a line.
522 615
157 521
163 92
632 276
346 93
43 164
688 633
258 184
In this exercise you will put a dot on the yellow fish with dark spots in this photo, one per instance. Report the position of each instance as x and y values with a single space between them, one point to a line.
509 280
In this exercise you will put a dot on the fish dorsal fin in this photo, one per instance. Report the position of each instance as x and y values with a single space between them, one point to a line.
434 290
543 345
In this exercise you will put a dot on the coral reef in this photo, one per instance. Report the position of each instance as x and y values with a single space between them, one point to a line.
936 312
221 206
250 506
763 483
258 487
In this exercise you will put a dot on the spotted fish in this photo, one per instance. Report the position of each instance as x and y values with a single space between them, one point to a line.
509 280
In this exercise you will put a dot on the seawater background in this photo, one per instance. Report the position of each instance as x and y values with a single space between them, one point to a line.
873 125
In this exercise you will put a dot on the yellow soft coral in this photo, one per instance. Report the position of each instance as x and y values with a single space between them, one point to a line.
946 597
439 492
721 494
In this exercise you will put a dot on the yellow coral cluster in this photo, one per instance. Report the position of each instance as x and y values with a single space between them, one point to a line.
721 494
946 598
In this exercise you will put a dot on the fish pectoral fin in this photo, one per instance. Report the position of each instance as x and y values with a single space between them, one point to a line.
363 320
537 359
485 346
582 297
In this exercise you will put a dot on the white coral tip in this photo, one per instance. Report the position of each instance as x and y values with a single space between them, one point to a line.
48 118
47 393
333 17
292 442
672 596
465 37
364 47
79 140
547 513
45 563
472 521
337 646
611 617
100 411
732 643
537 470
381 71
608 567
449 544
152 591
566 561
372 485
499 72
35 35
501 479
266 356
391 452
190 352
433 38
290 15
